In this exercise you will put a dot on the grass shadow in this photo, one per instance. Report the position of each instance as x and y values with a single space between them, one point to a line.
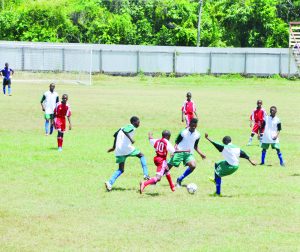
52 148
295 175
122 189
153 194
212 195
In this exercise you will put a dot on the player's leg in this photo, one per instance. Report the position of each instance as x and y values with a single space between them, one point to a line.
169 178
143 161
9 87
60 140
264 147
4 86
121 161
279 154
47 121
51 124
190 164
254 131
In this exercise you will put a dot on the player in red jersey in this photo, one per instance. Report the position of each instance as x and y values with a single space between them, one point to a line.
62 111
188 110
162 147
256 118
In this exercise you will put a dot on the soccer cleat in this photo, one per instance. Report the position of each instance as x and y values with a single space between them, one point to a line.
146 177
108 186
262 164
142 187
178 182
282 164
212 180
59 149
173 188
216 195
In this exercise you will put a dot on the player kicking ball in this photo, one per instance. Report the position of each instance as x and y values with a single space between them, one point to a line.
257 118
162 148
123 147
272 126
187 140
223 168
62 111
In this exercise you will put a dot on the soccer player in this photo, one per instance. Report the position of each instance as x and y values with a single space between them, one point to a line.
231 153
257 118
62 111
162 147
123 147
272 127
188 110
48 103
7 72
186 142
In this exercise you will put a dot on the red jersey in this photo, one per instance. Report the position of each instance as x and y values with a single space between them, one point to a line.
162 147
188 107
258 115
62 110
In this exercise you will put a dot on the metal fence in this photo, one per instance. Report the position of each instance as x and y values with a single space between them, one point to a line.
121 59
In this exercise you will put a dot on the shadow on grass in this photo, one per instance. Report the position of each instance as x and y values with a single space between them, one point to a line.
122 189
52 148
222 196
295 175
152 194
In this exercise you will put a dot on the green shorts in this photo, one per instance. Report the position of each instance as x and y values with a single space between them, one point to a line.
183 157
273 145
49 116
222 168
121 159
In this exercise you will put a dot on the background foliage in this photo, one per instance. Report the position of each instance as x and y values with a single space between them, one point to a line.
231 23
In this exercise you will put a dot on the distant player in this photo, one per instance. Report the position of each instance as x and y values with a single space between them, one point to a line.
7 72
188 110
48 103
272 127
123 147
162 148
223 168
256 120
62 111
186 142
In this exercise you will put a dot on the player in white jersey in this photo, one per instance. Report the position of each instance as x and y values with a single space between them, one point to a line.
187 140
272 127
231 154
48 103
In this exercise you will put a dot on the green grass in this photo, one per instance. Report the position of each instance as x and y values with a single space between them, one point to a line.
56 201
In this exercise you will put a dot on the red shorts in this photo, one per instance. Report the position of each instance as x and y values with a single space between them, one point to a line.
60 124
257 128
188 118
161 165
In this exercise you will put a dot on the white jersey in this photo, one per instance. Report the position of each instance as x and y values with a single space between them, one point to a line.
271 128
231 154
123 144
188 140
50 102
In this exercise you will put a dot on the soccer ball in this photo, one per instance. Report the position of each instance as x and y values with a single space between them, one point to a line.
191 188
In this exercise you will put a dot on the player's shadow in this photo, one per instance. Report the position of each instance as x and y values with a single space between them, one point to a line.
223 196
152 194
52 148
122 189
295 175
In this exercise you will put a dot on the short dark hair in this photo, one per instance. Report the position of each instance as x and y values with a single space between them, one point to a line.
134 119
188 94
226 140
166 133
274 107
194 120
65 96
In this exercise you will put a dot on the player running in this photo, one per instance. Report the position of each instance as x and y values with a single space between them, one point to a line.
231 153
257 118
123 147
162 148
62 111
188 110
48 103
272 127
187 140
7 72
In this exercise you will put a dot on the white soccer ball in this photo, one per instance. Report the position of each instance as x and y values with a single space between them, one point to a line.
191 188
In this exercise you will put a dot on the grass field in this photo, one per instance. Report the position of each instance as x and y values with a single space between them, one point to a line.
52 201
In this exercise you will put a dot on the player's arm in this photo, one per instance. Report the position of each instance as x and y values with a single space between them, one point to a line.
198 150
12 72
219 147
115 140
278 131
251 119
244 155
70 124
182 116
42 101
57 99
195 114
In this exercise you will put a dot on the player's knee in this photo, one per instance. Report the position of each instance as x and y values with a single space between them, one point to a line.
140 155
158 178
192 166
278 151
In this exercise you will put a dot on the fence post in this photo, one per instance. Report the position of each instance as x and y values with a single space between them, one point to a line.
289 65
138 62
100 61
23 59
210 62
63 59
245 64
280 70
174 62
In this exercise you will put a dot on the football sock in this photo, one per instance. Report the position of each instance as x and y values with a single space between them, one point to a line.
187 172
168 175
4 89
280 157
59 142
9 90
263 156
218 181
150 181
250 139
46 126
144 165
114 177
51 129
